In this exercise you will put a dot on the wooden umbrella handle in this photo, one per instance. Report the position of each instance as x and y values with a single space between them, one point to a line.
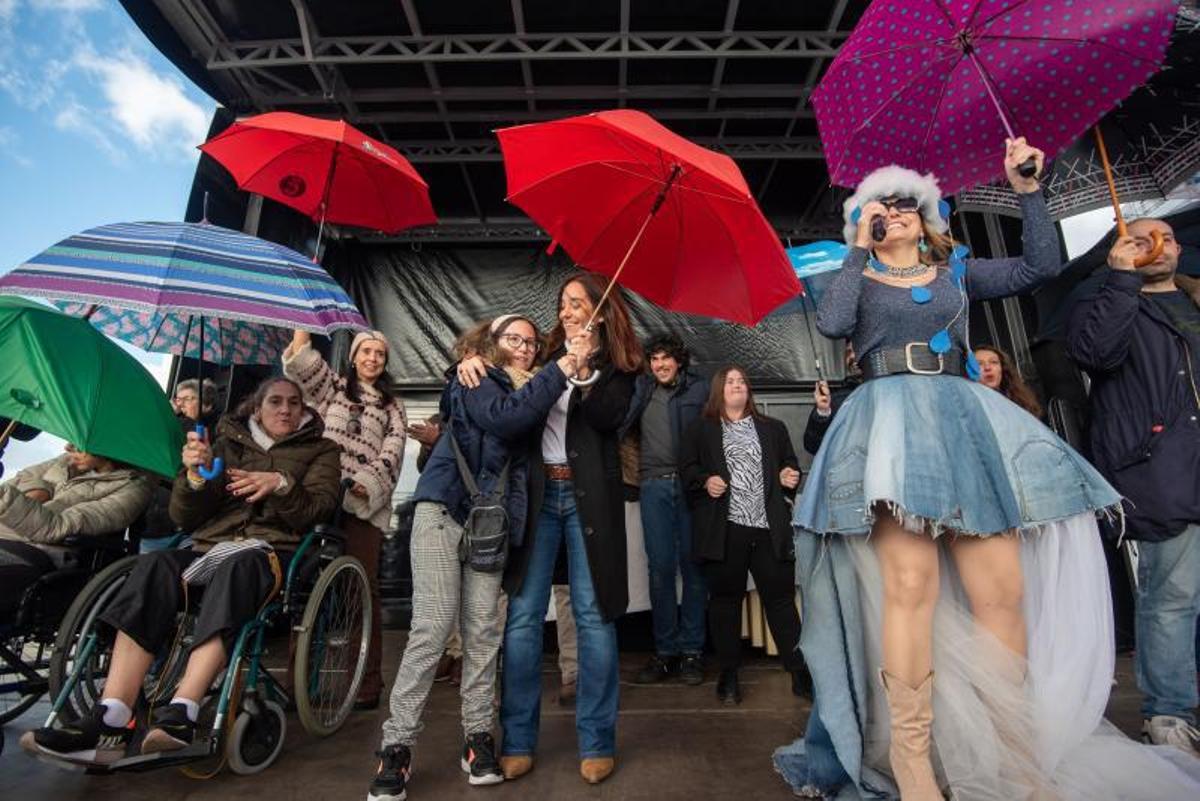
1156 239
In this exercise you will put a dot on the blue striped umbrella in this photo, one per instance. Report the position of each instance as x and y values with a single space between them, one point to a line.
190 289
192 269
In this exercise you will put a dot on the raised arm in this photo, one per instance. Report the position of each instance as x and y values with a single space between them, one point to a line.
304 365
1039 260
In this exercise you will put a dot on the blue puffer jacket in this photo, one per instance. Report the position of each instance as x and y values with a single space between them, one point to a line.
492 425
686 403
1145 431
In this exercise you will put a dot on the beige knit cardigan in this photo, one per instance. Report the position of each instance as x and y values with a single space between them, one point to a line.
371 458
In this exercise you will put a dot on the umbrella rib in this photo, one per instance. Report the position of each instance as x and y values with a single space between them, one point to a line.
936 108
859 57
1000 13
1068 39
725 231
895 95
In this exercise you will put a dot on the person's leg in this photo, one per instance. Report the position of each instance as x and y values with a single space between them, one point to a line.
657 503
598 684
364 542
521 680
726 581
568 641
695 592
437 576
990 569
909 565
1168 600
482 628
776 583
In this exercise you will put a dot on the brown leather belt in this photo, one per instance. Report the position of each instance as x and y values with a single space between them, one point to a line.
558 472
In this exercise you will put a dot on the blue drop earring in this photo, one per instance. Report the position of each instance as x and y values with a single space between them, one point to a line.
922 246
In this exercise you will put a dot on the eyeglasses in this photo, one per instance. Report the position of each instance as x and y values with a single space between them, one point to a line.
516 342
354 424
902 205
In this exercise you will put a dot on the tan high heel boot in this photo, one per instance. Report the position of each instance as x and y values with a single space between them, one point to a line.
912 718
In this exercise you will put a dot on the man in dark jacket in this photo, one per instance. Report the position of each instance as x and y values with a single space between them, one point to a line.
666 400
1138 336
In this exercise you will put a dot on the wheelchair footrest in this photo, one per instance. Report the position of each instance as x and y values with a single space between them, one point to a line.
136 762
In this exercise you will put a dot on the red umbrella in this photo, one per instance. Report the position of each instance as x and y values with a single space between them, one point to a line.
326 169
674 221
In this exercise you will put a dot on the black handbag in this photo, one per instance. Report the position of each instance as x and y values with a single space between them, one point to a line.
484 544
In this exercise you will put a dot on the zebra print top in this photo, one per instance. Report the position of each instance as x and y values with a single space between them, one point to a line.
743 455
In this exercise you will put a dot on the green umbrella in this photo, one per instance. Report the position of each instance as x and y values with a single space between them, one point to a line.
61 375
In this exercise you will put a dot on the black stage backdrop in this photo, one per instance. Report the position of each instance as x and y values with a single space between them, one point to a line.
423 298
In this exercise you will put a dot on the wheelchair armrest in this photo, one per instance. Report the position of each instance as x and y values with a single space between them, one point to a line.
328 532
106 543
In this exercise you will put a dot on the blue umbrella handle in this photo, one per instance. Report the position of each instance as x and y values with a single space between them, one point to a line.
218 465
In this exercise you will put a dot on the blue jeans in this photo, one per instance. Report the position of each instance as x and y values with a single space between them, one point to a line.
1168 602
598 680
667 531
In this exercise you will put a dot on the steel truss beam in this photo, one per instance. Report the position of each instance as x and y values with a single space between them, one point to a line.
481 150
518 229
526 47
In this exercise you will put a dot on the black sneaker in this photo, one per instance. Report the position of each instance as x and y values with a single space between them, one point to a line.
728 689
391 780
170 729
88 740
659 668
691 669
479 759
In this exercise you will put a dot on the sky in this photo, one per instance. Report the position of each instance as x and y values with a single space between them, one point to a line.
96 127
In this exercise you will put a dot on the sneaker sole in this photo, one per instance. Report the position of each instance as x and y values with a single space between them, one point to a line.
403 794
157 741
89 756
478 781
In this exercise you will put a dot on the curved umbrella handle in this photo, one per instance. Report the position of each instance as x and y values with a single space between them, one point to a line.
218 465
1156 249
1027 168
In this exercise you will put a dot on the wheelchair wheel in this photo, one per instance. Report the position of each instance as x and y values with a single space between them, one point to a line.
331 651
22 682
257 738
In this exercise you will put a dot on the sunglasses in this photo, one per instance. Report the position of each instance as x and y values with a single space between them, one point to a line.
902 205
516 342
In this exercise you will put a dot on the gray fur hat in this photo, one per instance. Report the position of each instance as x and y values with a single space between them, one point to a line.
901 181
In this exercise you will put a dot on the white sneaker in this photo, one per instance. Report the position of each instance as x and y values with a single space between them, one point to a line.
1170 730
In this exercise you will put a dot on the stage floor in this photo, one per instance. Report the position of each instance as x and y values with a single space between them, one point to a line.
674 742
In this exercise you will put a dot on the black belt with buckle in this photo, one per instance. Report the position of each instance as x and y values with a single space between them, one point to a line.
915 358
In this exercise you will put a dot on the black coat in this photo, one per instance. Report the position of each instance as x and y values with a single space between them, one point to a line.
593 420
702 455
814 432
1145 433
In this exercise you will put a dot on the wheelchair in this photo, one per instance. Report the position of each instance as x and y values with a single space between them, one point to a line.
43 592
324 603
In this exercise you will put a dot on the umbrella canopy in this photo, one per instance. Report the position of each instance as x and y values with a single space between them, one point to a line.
190 268
326 169
1152 138
602 182
937 86
62 376
224 341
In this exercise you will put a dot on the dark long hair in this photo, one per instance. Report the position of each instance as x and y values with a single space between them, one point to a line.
1012 386
618 343
383 384
714 408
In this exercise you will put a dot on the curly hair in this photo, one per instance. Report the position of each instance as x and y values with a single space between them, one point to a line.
1012 386
479 340
668 345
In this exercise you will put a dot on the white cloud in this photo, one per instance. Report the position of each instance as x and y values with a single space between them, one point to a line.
64 5
76 118
149 107
8 8
10 147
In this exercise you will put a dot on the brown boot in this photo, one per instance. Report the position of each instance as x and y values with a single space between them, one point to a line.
514 767
596 769
912 717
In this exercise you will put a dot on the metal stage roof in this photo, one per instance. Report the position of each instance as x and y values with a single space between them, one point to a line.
433 78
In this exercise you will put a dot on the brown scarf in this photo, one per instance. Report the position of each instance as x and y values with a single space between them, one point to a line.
518 376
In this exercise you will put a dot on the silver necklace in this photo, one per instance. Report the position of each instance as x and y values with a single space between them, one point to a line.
898 272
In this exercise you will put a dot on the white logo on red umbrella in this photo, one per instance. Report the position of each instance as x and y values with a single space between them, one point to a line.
369 146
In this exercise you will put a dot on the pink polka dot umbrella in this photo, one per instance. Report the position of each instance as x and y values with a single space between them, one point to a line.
937 85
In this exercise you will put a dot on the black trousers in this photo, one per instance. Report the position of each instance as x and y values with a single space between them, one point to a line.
146 606
749 550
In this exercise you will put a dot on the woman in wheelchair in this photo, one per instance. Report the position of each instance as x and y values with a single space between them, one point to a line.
281 478
76 493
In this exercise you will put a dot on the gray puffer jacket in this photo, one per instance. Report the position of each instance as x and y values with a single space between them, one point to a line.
89 504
